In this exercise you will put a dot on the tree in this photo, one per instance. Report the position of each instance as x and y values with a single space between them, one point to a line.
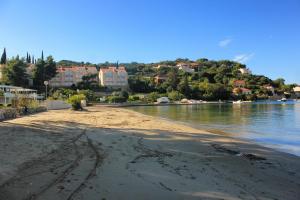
3 57
184 87
173 79
15 72
175 96
43 71
42 55
279 82
50 68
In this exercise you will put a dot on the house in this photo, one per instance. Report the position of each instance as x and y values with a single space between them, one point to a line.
160 79
239 83
113 77
68 76
297 91
243 91
185 67
245 71
13 92
163 66
269 88
194 65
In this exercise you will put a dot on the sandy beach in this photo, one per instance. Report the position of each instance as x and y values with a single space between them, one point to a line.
113 153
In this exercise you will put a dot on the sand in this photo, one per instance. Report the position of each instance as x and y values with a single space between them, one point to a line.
114 153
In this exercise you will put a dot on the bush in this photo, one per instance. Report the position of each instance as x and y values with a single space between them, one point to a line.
124 94
133 98
89 94
116 99
175 96
75 101
152 97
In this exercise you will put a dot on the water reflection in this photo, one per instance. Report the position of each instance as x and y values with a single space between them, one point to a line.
274 124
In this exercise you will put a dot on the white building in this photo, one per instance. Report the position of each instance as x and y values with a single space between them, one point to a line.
12 92
297 91
67 76
245 71
113 77
185 67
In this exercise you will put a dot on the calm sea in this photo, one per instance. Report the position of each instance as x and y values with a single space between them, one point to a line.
273 124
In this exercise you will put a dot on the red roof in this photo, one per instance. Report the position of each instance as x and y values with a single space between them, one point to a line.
239 82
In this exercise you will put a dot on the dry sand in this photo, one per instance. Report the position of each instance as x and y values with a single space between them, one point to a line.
114 153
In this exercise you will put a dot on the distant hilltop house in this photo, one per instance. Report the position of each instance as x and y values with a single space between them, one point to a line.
185 67
68 76
164 66
160 79
297 91
113 77
269 88
245 71
243 91
239 83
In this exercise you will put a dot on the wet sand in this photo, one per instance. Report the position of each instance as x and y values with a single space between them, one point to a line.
114 153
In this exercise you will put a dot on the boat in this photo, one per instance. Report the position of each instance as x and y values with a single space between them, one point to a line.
282 100
237 102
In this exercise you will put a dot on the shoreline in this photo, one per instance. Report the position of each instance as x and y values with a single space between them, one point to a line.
280 147
106 152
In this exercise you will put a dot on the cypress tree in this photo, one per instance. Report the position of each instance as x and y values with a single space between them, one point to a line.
32 60
29 59
42 55
3 57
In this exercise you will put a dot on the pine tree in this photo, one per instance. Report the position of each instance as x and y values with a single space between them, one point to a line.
3 57
42 55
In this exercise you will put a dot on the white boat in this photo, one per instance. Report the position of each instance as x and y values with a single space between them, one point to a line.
283 100
237 102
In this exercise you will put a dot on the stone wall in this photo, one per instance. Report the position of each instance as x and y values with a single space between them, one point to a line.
10 113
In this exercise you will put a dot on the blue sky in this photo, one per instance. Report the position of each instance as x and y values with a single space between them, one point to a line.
264 34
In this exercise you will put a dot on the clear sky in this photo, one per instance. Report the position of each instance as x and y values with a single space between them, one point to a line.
264 34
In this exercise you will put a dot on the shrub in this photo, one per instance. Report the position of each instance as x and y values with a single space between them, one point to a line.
133 98
116 99
152 97
90 95
75 101
124 94
175 96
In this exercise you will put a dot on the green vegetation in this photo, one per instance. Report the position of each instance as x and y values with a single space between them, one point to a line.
15 72
212 80
75 101
3 57
43 71
118 97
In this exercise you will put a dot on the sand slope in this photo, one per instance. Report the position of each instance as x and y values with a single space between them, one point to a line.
114 153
